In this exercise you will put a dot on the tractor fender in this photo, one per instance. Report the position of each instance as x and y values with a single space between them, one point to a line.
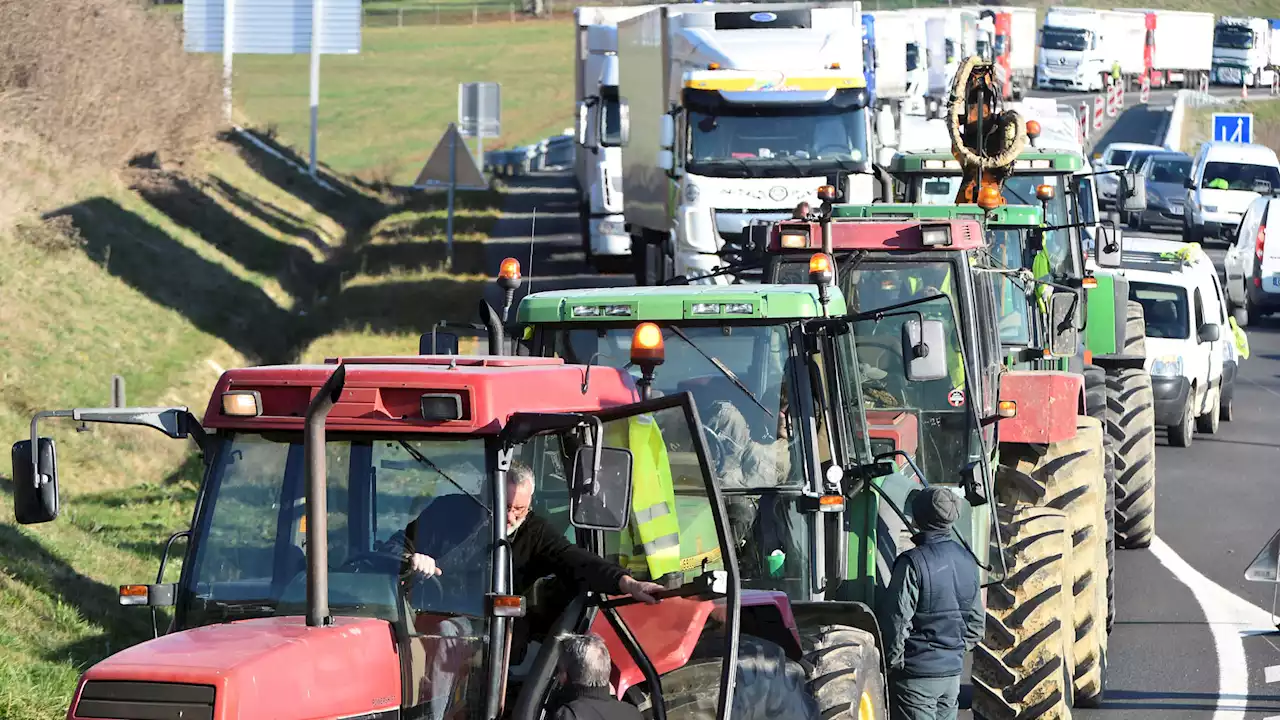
1048 403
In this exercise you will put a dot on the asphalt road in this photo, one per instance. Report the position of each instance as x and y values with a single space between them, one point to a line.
1192 638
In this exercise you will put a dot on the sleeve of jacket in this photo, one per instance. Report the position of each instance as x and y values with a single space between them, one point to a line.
897 609
551 554
976 619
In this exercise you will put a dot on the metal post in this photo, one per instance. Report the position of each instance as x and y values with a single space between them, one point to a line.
317 18
228 52
437 14
400 18
314 469
117 391
453 183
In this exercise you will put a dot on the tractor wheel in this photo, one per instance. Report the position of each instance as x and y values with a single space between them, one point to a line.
1095 391
1135 329
768 685
1070 477
844 672
1131 423
1018 668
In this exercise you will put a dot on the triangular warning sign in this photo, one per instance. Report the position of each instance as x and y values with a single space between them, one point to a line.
436 172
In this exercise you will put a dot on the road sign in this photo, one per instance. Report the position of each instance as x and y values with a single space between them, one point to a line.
480 109
1233 127
451 166
1099 106
1145 95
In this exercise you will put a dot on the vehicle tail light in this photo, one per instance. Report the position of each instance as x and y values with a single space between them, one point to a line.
1261 242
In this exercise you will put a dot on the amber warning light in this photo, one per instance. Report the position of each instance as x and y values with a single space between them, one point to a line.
989 198
1007 409
509 274
1033 129
820 269
646 345
1044 193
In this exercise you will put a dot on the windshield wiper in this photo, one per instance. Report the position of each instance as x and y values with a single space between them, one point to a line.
426 462
722 368
241 609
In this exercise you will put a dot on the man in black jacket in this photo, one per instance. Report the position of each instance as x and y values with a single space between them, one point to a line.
583 674
931 614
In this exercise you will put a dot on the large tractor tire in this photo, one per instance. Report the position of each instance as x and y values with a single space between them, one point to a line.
845 679
1095 398
768 686
1070 477
1019 669
1135 330
1131 423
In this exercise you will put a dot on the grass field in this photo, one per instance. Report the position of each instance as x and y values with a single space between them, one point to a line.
1266 123
383 111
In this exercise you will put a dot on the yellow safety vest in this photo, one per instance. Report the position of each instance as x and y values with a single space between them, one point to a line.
649 547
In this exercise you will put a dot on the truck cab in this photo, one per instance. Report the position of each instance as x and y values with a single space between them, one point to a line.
1072 50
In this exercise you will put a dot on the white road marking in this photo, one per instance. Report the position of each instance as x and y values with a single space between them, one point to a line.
1228 617
1273 673
217 369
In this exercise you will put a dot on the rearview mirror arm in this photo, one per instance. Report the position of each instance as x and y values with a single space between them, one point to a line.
176 422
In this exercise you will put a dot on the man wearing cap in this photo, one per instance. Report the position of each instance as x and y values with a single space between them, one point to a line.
931 614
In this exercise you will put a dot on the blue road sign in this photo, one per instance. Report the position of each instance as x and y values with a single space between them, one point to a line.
1233 127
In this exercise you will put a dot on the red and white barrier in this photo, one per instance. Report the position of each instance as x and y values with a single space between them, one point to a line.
1084 121
1099 107
1145 94
1112 107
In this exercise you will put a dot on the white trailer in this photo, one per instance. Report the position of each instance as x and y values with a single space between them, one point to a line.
1180 44
951 35
598 162
1243 52
1124 37
894 29
737 113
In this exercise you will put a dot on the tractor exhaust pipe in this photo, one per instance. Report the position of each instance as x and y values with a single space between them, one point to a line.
317 499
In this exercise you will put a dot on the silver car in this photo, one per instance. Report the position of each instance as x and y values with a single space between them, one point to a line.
1165 173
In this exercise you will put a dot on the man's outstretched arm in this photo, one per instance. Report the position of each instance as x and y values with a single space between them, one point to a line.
551 553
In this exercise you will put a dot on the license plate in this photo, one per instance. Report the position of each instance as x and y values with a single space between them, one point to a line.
1273 282
1175 210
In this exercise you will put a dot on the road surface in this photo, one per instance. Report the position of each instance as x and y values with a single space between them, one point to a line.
1192 638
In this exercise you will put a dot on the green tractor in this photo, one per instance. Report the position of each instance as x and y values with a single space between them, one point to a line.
1042 450
1113 324
817 482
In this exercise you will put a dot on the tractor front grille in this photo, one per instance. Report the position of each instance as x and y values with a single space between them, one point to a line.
126 700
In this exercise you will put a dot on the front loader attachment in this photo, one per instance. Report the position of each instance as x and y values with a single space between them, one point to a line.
984 140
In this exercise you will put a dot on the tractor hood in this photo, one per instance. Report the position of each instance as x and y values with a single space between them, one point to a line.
261 668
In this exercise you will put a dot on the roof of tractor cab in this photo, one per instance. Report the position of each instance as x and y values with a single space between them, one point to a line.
677 302
1004 215
1030 160
384 394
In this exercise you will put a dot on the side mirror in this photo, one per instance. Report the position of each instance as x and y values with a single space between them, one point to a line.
1262 187
667 133
924 350
1209 332
624 123
583 112
601 499
1109 246
969 480
438 343
1133 188
35 499
666 160
1188 183
1064 339
1266 566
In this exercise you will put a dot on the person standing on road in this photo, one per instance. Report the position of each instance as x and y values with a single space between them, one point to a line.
932 614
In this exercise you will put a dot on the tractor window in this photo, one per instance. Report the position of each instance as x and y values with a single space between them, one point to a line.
1008 248
1021 190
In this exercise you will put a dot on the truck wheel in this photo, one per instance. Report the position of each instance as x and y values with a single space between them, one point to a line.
1018 668
1070 476
844 672
1135 329
1181 434
1208 422
1095 392
768 686
1131 419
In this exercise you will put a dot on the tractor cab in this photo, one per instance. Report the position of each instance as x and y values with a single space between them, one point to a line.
297 597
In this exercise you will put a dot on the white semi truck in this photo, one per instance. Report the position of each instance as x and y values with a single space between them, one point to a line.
951 35
598 162
1179 47
1245 51
736 113
1073 53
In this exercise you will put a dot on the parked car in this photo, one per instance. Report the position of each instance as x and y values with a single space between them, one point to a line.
1165 174
1192 372
1115 157
1225 178
1253 262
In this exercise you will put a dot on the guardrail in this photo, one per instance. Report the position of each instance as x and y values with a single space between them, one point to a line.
551 153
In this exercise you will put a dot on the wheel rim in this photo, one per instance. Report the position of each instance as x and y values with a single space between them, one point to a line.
866 709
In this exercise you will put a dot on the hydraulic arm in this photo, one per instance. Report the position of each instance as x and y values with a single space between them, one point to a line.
985 140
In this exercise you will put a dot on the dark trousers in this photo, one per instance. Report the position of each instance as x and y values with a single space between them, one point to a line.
923 698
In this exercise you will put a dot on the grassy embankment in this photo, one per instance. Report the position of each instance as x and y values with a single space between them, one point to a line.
137 242
1198 126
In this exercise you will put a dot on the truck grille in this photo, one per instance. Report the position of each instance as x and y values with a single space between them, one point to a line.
145 701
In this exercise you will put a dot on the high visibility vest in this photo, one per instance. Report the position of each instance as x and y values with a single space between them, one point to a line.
1241 340
1041 270
650 544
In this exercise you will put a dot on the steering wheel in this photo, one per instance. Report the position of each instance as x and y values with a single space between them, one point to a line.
424 592
372 561
887 352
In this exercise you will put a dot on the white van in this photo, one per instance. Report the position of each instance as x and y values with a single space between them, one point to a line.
1225 178
1253 264
1187 331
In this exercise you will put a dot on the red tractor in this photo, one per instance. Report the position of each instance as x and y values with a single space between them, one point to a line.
294 600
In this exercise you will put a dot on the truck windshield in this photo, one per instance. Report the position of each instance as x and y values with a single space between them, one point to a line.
610 118
776 141
1234 37
1054 38
250 560
1238 176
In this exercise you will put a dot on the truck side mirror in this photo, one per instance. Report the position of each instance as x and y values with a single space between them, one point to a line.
667 133
1188 183
624 123
666 160
1108 247
35 499
924 350
601 499
1133 188
583 113
1209 332
1064 339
